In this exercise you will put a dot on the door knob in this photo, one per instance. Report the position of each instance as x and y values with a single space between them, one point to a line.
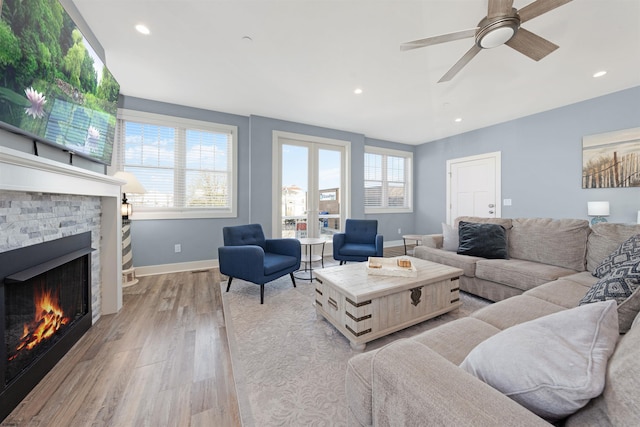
490 212
491 205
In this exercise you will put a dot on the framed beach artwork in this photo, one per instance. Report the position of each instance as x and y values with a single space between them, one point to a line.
611 159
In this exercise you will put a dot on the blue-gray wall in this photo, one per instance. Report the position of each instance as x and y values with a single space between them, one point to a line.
541 162
541 170
153 240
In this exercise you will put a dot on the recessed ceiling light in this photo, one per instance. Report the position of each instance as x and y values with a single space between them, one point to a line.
458 119
358 91
142 29
247 39
600 74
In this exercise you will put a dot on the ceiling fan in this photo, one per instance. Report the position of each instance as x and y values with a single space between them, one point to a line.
500 26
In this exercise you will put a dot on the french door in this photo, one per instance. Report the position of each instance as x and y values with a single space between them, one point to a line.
311 175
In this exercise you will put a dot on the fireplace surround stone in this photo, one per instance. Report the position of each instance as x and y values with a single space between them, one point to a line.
41 199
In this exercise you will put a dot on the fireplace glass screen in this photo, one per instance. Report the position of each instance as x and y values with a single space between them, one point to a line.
39 311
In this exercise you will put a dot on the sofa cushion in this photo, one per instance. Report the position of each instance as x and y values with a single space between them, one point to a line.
621 285
629 250
515 310
561 242
482 240
466 263
618 404
552 365
518 273
358 387
605 237
454 340
449 238
505 222
584 278
562 292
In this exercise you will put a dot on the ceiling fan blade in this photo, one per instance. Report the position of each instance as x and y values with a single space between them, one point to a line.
460 64
429 41
531 45
539 7
499 8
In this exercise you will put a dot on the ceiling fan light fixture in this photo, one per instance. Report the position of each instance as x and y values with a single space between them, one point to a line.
498 32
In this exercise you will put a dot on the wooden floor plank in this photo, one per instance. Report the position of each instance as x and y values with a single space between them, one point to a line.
162 360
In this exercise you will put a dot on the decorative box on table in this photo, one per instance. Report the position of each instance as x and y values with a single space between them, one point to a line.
401 266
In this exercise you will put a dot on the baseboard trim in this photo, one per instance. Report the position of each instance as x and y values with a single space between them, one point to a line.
151 270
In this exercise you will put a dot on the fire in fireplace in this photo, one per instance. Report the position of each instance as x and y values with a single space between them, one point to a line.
48 319
46 306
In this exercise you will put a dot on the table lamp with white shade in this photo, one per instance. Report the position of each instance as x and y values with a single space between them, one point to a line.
598 210
132 186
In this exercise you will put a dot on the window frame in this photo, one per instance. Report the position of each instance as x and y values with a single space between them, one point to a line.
408 180
181 125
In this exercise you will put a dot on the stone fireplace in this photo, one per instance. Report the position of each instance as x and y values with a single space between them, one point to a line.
43 201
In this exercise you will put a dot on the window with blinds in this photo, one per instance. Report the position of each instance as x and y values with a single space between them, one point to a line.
187 167
387 180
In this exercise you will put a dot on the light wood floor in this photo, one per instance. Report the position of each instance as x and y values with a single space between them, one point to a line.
163 360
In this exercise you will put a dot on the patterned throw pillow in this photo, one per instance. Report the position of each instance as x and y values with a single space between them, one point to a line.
629 250
618 284
622 285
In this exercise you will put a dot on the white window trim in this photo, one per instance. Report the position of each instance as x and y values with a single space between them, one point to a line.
142 213
408 179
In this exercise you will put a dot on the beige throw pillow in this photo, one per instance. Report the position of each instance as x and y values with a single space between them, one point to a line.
449 238
552 365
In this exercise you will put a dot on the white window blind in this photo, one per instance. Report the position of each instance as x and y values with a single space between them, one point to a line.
387 180
187 167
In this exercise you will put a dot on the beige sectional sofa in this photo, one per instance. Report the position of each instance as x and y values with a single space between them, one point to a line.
418 381
539 249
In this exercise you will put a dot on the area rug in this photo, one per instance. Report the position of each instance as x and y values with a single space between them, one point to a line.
289 365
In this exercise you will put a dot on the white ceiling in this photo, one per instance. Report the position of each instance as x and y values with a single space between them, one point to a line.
308 56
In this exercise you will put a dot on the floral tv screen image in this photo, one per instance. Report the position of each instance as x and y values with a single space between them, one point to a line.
53 86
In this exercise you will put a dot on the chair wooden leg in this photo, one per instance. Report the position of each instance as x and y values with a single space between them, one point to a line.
229 283
293 279
262 294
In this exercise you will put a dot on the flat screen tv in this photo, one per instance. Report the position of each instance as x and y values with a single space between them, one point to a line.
53 87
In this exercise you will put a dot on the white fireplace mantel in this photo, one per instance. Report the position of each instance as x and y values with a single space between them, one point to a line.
29 173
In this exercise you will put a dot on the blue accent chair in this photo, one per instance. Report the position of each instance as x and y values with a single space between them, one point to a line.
247 255
359 241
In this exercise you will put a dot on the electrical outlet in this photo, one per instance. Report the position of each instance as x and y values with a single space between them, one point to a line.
506 202
177 248
399 231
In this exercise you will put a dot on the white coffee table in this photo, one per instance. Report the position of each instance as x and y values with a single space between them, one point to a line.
364 307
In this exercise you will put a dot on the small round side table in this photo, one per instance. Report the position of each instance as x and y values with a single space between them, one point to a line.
416 237
308 258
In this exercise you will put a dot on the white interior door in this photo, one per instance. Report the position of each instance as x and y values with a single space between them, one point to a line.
474 187
311 181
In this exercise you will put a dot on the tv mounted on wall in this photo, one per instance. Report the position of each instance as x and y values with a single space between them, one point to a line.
53 86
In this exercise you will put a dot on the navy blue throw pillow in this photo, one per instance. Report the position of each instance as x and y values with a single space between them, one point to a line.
482 240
